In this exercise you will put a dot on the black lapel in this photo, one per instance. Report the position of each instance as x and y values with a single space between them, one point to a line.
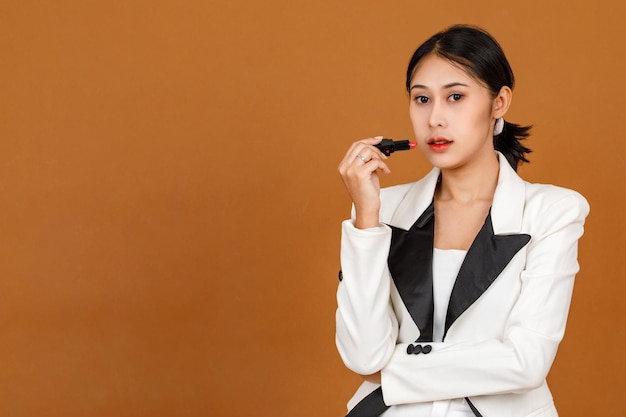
485 260
370 406
410 263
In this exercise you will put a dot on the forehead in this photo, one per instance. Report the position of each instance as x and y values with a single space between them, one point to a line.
434 71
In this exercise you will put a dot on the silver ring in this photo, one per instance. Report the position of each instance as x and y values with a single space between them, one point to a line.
361 156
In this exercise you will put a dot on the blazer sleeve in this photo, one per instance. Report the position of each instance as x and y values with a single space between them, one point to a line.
366 326
520 360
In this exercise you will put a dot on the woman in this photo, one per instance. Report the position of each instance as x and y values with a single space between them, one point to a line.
455 289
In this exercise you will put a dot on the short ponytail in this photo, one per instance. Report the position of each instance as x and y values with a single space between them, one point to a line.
509 143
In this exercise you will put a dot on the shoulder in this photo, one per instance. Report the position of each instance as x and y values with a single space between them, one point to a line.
552 206
543 195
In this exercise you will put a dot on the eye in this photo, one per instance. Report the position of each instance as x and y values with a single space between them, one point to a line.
421 99
455 97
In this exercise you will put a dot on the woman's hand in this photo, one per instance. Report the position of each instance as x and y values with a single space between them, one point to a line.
359 172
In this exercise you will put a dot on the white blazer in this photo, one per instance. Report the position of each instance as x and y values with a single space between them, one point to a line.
507 311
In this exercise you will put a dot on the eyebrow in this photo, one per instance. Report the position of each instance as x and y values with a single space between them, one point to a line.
450 85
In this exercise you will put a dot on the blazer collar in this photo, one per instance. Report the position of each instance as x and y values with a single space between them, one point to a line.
506 210
411 250
508 201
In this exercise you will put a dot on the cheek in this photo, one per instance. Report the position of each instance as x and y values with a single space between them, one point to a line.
419 128
417 118
473 119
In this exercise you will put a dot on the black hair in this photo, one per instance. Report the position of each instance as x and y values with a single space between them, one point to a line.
474 50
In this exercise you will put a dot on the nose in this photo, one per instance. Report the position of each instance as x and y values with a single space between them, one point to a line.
437 115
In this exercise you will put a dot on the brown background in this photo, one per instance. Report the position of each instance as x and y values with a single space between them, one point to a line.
170 207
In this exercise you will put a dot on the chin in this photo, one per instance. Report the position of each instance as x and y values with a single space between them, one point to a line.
444 161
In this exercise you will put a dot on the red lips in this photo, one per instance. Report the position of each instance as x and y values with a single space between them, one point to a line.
439 144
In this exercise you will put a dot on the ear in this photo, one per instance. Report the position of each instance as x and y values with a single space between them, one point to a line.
502 102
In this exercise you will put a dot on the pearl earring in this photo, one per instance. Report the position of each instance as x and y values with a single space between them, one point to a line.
499 127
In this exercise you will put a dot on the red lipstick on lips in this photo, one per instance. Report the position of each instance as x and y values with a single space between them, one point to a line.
439 144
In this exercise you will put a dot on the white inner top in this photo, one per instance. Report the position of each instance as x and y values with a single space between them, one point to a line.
446 266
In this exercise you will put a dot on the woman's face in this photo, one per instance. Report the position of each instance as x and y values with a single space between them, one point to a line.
451 113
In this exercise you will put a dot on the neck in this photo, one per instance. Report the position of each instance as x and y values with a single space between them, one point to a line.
469 183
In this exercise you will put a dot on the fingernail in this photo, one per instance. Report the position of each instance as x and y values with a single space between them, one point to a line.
378 137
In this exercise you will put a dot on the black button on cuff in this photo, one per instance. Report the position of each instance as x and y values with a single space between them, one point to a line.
413 349
417 349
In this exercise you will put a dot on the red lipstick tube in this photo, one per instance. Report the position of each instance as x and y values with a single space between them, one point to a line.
389 146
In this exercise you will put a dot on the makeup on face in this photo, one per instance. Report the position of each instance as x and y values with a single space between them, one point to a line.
439 144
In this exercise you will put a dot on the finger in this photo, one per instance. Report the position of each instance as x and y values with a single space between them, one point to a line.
369 142
381 165
369 152
364 166
364 150
358 154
